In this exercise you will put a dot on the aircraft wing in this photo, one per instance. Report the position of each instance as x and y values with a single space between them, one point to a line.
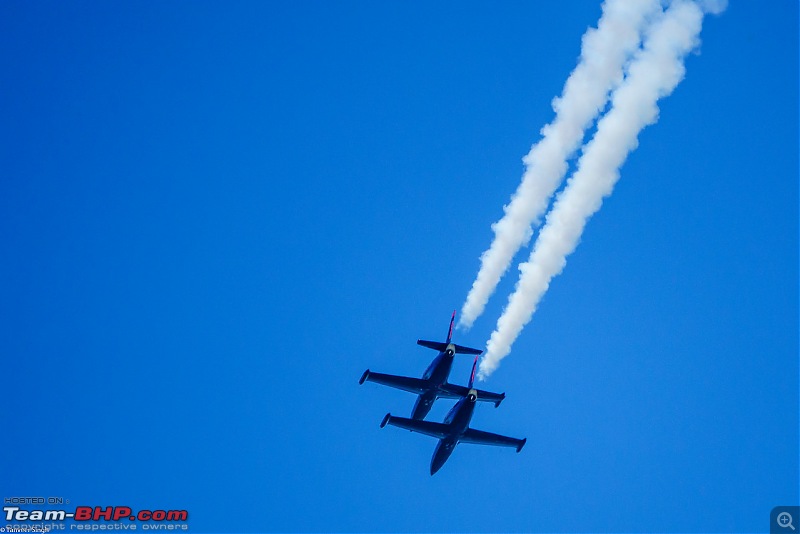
452 391
487 438
429 428
406 383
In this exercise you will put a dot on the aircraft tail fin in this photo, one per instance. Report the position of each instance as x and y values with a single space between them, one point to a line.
435 345
441 347
450 330
468 350
472 376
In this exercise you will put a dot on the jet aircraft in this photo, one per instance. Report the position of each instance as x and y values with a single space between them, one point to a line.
455 428
433 384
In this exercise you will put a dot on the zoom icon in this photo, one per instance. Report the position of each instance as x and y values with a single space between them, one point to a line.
784 519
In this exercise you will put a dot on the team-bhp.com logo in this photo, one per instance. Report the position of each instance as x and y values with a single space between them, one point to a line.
98 517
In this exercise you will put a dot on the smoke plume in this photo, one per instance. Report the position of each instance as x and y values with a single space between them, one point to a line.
653 73
604 52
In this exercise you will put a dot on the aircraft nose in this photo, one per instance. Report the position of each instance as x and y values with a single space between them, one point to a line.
435 467
440 456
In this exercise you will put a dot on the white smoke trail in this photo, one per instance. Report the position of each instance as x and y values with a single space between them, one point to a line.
604 52
654 72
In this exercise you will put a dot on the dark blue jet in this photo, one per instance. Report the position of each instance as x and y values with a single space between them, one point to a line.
455 428
433 384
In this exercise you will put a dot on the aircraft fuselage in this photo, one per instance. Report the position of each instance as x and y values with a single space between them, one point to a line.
439 369
436 375
458 418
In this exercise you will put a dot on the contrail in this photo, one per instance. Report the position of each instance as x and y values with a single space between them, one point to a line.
604 52
653 73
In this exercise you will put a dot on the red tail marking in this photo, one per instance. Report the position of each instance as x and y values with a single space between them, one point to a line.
472 376
450 332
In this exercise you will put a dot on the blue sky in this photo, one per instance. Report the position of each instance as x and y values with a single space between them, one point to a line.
215 217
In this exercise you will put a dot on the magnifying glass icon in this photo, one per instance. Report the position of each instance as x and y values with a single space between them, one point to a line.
785 520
